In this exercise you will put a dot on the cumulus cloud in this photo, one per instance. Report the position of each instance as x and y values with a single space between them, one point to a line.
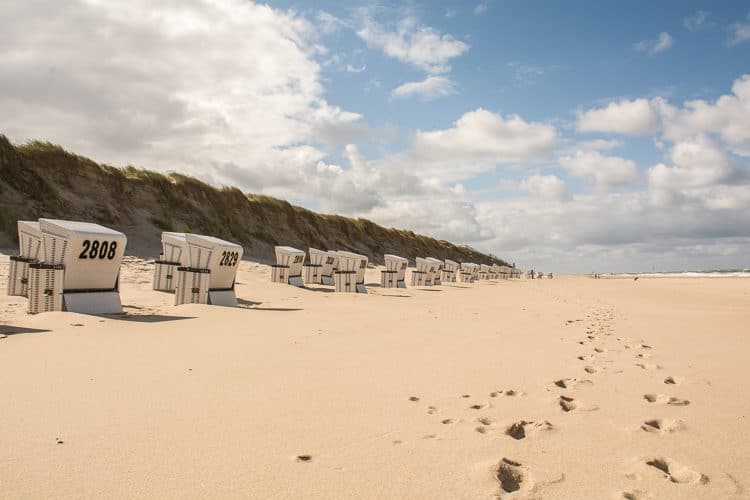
607 171
484 136
450 219
656 46
728 117
480 8
696 21
162 89
548 187
428 89
740 32
410 42
695 163
599 144
638 116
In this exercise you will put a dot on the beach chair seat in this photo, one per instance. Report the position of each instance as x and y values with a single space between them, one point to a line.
78 268
288 267
394 273
350 274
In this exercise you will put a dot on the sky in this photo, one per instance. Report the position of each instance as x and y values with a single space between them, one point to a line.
573 137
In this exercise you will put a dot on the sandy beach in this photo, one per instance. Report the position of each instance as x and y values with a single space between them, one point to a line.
562 388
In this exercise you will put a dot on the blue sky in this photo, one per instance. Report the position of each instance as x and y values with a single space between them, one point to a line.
567 136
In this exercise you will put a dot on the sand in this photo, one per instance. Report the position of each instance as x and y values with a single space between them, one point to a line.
562 388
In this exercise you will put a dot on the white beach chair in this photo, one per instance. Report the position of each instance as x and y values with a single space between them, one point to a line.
449 271
433 276
394 273
313 270
467 272
288 268
350 275
173 254
78 269
484 270
29 252
208 272
329 268
420 274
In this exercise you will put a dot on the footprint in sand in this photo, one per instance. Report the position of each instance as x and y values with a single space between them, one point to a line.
664 399
567 403
645 366
565 383
585 357
635 495
599 350
511 476
676 472
477 407
590 369
673 380
447 421
522 428
663 425
431 410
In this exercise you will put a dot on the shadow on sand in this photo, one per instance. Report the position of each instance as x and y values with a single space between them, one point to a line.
143 318
17 330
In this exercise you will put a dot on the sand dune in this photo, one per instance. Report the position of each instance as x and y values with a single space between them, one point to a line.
563 388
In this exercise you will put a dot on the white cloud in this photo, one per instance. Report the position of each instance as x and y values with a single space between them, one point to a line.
740 32
696 21
608 171
548 187
652 47
526 73
245 95
483 136
696 163
480 8
353 69
728 117
327 22
410 42
599 145
446 218
428 89
639 116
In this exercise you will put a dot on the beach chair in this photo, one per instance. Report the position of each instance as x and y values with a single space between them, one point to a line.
78 269
208 271
350 274
329 268
467 272
395 272
449 271
29 252
313 270
420 274
433 276
484 271
288 267
173 255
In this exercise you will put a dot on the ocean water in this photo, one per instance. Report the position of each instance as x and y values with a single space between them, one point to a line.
729 273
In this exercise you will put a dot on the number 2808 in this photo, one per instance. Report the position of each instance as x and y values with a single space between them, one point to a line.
95 249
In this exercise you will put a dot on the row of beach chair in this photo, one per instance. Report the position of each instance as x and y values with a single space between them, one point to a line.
75 266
